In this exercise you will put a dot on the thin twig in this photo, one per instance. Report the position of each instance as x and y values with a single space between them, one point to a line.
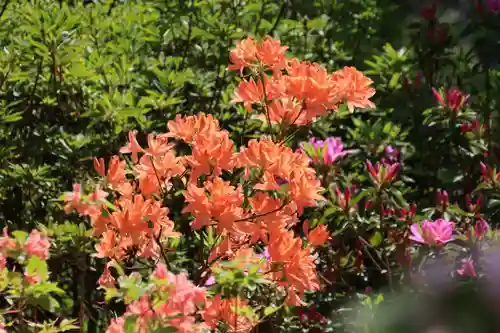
254 216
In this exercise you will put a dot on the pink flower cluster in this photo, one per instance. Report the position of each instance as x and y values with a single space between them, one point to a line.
174 302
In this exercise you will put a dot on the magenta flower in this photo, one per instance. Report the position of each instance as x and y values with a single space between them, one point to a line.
467 268
481 228
453 98
382 172
493 6
266 254
210 281
436 232
327 151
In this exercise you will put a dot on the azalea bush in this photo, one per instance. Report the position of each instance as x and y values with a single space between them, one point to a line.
249 167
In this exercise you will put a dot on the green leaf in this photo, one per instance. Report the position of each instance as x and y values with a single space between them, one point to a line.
269 310
20 236
67 325
376 239
13 117
38 267
394 80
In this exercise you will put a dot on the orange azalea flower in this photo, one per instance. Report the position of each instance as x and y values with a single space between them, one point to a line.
117 325
188 128
38 245
318 236
157 146
353 87
278 161
143 312
269 53
153 173
243 55
223 204
132 147
107 280
287 110
298 270
211 154
249 92
304 191
74 200
272 54
7 243
230 312
116 172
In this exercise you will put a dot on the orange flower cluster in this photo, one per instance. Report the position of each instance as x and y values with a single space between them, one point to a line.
267 218
136 221
275 184
230 311
297 91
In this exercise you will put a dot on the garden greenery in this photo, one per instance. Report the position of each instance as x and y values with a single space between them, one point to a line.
260 166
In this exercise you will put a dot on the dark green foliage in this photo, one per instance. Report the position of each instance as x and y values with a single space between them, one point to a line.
75 76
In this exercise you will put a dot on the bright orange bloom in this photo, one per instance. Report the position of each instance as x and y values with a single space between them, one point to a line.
73 200
188 128
248 53
243 55
106 280
154 172
230 312
222 204
280 162
99 166
318 236
117 326
211 154
287 110
132 147
353 87
249 92
298 271
116 172
7 243
272 54
38 245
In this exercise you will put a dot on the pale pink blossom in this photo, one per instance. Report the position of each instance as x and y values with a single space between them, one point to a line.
117 326
107 280
37 245
467 268
436 232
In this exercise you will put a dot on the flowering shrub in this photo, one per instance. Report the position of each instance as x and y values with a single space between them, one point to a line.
25 286
298 200
246 199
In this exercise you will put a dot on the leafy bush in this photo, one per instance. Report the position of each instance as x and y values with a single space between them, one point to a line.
277 192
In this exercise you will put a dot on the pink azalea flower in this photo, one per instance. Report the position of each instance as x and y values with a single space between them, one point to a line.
210 281
327 151
467 268
436 232
117 326
3 262
37 245
493 6
107 280
481 228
